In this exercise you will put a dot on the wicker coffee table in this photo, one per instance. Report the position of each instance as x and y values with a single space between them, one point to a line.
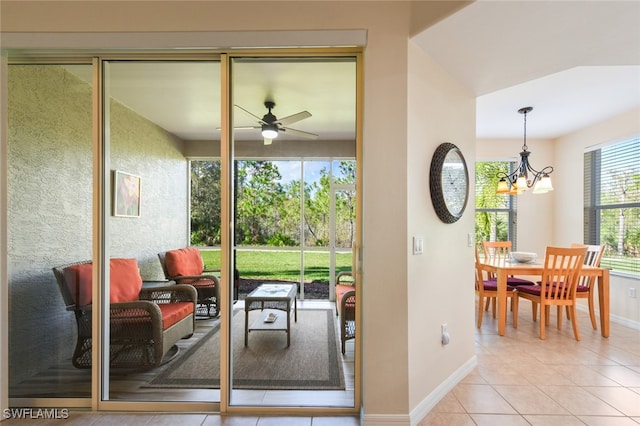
271 297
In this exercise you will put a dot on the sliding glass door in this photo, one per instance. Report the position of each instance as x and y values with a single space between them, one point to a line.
290 116
118 168
164 340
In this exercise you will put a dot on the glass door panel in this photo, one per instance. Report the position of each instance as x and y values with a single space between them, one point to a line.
285 349
164 340
315 221
50 190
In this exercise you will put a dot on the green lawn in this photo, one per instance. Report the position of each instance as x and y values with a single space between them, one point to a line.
280 265
623 264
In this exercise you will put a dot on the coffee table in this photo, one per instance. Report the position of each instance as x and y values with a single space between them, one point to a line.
281 297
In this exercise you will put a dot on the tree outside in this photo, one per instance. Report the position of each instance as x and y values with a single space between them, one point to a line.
268 207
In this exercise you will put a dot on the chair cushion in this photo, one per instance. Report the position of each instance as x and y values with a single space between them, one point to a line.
125 281
186 261
174 312
518 281
582 289
492 285
341 290
536 290
78 281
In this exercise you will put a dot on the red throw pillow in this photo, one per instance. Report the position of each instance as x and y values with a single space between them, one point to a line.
78 279
126 281
182 262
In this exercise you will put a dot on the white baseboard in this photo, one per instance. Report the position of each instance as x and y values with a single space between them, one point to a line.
386 420
426 405
441 390
613 318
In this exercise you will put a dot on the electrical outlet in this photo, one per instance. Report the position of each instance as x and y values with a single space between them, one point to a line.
632 292
445 334
470 239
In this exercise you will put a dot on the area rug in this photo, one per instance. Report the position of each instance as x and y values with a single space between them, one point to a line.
312 362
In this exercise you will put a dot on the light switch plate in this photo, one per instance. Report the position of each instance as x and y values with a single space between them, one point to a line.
418 245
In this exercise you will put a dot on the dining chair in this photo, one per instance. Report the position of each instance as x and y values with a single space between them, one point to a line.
501 250
586 285
486 289
560 275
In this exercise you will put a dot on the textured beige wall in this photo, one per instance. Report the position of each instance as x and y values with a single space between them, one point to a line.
50 203
49 208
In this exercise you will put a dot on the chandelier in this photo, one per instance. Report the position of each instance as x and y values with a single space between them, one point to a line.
525 176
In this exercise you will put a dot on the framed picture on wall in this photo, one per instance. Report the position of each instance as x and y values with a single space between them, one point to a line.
126 194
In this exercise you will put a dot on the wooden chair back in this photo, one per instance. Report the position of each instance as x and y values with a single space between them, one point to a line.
496 249
562 266
592 257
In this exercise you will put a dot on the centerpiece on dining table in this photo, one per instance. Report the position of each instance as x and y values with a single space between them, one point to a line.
523 256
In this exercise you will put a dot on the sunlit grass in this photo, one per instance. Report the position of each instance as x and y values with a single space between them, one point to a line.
280 265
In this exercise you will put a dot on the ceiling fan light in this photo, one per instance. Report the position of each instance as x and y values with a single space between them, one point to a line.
269 131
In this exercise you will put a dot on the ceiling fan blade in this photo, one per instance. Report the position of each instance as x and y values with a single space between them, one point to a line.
294 132
252 114
290 119
242 128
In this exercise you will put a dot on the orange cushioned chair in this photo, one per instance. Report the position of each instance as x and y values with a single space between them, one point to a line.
144 324
185 266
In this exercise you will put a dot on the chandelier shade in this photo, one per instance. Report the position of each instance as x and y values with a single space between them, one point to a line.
524 176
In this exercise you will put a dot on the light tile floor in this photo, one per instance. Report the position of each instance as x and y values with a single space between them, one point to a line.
522 380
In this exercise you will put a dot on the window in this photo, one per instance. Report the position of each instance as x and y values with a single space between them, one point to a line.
495 213
612 204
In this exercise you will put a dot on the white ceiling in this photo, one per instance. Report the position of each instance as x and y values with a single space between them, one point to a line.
575 62
184 97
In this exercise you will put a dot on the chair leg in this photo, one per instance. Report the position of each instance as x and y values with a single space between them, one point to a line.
543 320
534 311
559 315
515 299
480 311
574 322
493 306
592 314
487 303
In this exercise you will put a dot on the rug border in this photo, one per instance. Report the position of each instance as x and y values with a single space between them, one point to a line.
336 380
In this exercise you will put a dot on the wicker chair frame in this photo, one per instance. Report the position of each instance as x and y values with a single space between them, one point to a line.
137 338
346 309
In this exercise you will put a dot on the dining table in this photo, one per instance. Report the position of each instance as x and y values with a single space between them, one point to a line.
503 268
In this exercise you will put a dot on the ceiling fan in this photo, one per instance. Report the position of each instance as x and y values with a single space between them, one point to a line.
270 125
